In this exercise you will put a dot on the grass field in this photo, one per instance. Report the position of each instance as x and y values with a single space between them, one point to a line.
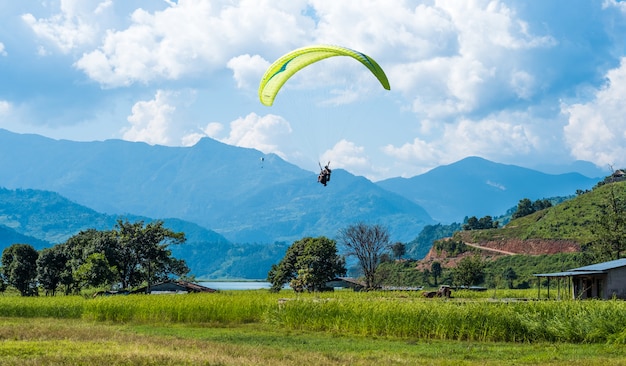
341 328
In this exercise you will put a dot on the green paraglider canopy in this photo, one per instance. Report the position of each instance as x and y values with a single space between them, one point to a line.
286 66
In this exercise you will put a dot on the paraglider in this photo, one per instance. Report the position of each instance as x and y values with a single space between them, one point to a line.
287 65
324 176
292 62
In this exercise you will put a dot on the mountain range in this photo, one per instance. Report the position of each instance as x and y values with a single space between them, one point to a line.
238 204
224 188
478 187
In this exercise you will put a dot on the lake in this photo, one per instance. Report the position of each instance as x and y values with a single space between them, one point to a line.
236 285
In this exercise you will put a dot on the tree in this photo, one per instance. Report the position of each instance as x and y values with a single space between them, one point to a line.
524 208
366 243
435 271
471 224
398 249
469 271
609 229
486 222
132 253
78 248
95 272
143 253
52 264
509 275
19 266
308 265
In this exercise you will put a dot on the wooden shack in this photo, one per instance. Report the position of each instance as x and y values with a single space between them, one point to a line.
604 280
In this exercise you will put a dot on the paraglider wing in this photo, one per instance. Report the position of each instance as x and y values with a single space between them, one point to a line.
283 68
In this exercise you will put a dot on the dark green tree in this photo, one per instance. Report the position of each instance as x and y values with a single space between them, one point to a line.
308 265
143 254
19 266
486 222
435 271
470 271
539 205
366 243
95 272
509 275
52 265
398 249
524 208
80 247
471 224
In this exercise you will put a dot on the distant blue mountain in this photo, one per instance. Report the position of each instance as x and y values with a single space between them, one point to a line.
217 186
478 187
8 237
43 219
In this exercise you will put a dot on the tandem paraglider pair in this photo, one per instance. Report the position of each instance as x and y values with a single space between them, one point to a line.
286 66
324 176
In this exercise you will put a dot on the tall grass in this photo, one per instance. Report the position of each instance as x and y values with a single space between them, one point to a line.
566 321
387 314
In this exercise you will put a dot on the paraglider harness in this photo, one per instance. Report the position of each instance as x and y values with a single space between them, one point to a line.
324 176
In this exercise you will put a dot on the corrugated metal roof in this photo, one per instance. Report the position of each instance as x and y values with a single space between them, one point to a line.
567 273
597 268
603 266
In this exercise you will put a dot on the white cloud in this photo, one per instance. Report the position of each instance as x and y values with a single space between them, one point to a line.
3 52
492 138
5 107
247 70
192 36
597 129
615 3
150 120
213 129
76 24
481 65
265 133
346 154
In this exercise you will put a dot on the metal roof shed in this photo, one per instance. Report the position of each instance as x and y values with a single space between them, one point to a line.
604 280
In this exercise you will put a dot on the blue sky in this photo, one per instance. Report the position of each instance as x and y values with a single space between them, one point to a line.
524 83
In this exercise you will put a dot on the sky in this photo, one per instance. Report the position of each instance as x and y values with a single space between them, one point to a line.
526 83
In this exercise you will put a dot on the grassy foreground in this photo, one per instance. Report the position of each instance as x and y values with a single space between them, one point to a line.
344 328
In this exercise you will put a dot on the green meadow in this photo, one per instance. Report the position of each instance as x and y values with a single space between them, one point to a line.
343 327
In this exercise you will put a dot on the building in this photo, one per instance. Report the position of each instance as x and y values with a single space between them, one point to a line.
173 287
605 280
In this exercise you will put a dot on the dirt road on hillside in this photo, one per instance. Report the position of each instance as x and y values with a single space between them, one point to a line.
490 249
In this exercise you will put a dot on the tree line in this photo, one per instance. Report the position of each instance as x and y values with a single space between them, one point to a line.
130 255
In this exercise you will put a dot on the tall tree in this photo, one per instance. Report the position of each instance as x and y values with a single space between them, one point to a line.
19 266
435 270
52 264
398 249
308 265
366 243
470 271
144 254
509 275
80 247
95 272
609 229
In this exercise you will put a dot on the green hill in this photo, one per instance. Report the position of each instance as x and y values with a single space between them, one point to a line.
569 220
